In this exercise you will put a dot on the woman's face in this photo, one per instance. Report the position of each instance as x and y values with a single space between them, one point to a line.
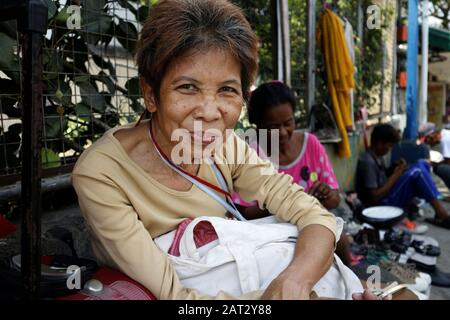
282 118
202 88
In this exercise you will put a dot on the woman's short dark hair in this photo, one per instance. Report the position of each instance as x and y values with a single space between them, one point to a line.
177 27
267 96
384 133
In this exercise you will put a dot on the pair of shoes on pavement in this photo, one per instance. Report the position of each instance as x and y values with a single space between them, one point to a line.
426 249
398 240
401 241
412 227
408 274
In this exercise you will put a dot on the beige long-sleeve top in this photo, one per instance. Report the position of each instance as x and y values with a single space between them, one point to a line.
125 208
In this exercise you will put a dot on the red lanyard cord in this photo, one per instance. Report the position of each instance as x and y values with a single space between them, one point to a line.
202 181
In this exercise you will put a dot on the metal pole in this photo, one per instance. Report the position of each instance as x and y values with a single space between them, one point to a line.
32 26
310 54
383 67
280 68
13 191
411 83
383 78
360 23
286 44
423 113
275 38
31 164
394 107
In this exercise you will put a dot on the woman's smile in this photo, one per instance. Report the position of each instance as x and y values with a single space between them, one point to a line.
203 138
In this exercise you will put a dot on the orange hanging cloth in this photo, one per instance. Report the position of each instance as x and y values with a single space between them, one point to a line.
339 70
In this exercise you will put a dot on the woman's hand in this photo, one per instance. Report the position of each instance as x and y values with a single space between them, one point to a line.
282 288
313 257
286 287
400 167
367 295
320 190
328 197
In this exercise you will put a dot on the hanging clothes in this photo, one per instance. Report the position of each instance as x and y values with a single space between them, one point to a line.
348 31
339 72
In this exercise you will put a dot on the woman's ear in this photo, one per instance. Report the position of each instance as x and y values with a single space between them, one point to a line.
148 95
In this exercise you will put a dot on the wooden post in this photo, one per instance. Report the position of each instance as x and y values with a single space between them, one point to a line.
32 26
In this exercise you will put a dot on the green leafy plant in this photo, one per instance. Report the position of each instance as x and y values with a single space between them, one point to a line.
80 80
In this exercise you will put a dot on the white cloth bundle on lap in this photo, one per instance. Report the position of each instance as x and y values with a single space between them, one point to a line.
247 256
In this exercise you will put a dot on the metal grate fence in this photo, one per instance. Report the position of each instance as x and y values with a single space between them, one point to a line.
89 81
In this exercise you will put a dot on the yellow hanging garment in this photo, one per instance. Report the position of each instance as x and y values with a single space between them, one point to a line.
339 70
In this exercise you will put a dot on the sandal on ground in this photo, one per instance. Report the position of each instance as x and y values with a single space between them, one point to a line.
428 250
440 223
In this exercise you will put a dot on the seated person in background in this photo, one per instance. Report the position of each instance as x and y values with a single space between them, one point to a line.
429 137
376 187
409 150
301 155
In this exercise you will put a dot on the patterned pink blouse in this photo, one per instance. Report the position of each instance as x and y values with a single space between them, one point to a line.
311 164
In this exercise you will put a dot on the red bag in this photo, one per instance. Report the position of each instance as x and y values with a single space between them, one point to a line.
116 286
6 227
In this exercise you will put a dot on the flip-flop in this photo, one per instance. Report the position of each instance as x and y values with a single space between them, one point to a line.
443 223
428 250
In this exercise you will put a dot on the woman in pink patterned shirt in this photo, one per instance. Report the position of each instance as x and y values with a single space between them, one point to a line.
301 155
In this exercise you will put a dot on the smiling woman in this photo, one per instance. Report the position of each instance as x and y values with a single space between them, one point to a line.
197 60
202 87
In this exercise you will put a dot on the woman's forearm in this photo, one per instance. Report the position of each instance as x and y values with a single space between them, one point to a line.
313 254
312 258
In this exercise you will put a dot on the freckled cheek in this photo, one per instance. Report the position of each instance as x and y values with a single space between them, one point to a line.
231 113
181 109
